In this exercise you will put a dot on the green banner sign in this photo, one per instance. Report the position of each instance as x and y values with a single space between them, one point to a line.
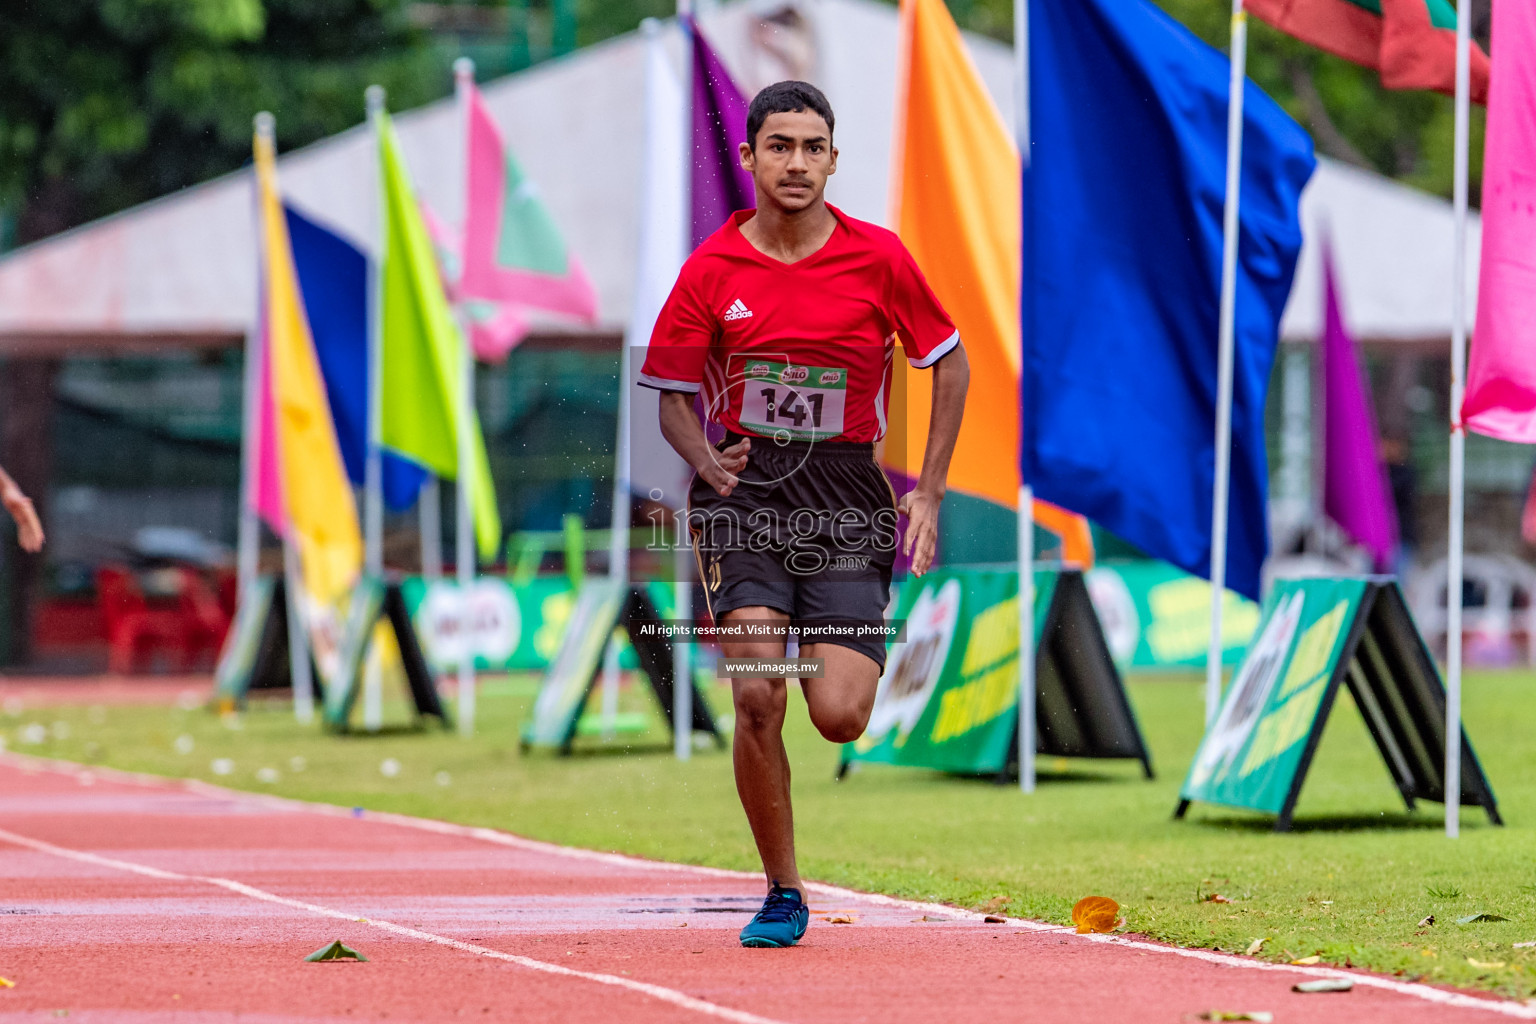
1153 616
603 609
1156 616
949 696
512 628
374 600
1250 754
238 661
1314 636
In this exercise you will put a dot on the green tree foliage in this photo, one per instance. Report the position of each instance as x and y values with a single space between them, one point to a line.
599 19
107 103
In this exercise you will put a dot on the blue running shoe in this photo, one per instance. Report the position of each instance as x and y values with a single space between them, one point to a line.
781 922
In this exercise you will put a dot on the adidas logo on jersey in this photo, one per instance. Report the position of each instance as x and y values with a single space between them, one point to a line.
738 311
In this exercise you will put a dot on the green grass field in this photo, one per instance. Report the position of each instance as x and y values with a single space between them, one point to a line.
1350 884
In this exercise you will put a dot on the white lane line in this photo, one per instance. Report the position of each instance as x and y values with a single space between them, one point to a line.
665 995
1427 993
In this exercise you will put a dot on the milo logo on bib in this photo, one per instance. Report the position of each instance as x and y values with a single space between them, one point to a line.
789 402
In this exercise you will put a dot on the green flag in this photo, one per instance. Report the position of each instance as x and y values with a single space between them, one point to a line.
423 351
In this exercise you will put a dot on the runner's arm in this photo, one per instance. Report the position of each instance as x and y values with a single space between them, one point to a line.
29 530
681 427
951 380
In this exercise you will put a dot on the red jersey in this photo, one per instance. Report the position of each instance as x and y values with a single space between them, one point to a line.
798 350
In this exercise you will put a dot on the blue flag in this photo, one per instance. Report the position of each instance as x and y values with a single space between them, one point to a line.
333 276
1122 271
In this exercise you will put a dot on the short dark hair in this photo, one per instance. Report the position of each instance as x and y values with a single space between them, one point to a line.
786 98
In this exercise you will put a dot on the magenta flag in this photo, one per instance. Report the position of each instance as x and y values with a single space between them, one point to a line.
720 186
267 481
513 256
1355 491
1501 377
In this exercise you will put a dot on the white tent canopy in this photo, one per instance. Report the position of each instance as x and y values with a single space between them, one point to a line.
1391 255
182 270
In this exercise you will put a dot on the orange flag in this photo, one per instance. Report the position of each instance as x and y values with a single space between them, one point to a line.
955 202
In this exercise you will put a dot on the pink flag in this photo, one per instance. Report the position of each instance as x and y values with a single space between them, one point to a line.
1501 378
512 251
495 328
268 499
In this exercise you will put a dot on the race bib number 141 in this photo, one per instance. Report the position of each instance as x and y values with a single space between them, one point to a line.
804 403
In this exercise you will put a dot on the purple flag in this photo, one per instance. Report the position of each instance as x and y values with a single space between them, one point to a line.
720 186
1355 493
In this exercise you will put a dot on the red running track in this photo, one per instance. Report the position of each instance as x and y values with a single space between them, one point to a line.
132 900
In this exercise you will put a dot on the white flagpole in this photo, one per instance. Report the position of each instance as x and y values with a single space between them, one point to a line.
430 516
682 561
298 637
1026 511
618 534
373 469
618 541
1458 430
464 555
249 549
1226 342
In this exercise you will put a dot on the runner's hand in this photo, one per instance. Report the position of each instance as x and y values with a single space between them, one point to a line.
922 512
29 531
720 471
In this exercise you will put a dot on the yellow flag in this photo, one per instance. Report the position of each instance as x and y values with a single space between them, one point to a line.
317 497
955 202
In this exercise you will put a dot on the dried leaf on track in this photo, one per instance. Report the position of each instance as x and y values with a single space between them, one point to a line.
7 983
337 950
1475 918
1306 961
1255 946
994 919
1324 985
1258 1016
842 919
1096 914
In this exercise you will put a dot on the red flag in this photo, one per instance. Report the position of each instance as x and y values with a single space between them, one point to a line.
1411 43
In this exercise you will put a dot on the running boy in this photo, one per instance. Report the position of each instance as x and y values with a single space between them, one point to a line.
785 321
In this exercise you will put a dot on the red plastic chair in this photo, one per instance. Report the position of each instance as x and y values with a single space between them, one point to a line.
134 626
206 622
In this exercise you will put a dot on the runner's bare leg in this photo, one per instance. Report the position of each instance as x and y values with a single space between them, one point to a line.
841 700
757 752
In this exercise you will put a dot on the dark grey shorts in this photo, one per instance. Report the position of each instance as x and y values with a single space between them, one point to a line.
809 531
